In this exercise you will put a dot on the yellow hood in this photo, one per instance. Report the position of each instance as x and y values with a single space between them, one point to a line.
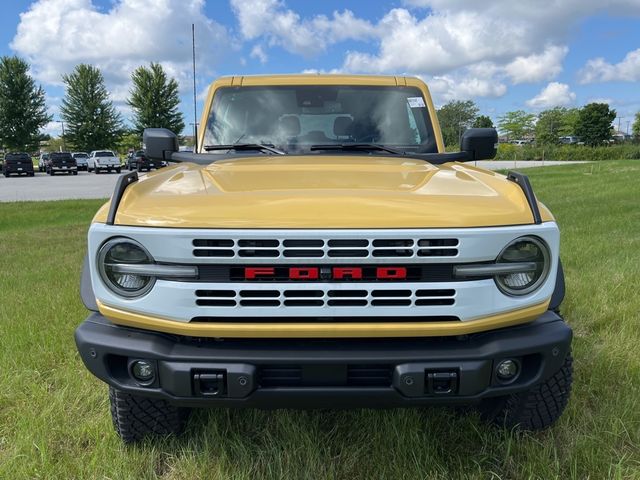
323 192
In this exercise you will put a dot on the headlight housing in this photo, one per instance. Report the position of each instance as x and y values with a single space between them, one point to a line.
524 250
125 251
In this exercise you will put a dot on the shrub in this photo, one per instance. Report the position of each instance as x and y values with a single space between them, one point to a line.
508 151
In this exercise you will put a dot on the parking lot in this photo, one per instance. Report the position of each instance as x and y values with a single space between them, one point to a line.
90 185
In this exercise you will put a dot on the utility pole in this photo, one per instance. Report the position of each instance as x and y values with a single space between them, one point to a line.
195 134
64 146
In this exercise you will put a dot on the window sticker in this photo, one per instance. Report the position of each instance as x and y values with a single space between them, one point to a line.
416 102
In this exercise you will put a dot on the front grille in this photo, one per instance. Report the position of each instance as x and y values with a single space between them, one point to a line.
322 248
282 297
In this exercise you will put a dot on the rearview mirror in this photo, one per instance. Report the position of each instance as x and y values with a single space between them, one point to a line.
159 143
480 143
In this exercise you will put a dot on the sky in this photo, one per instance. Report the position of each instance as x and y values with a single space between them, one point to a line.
503 54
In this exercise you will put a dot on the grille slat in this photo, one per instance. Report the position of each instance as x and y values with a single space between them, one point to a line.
326 248
283 297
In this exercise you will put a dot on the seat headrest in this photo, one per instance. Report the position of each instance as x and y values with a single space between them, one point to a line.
342 126
289 125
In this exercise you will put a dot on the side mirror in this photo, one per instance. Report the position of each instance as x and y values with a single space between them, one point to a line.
159 143
480 143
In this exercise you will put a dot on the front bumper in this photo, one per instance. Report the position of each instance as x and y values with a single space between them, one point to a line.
324 373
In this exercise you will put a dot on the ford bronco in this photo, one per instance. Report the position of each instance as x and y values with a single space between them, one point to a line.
319 248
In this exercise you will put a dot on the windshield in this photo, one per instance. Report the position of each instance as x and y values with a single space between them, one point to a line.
80 155
105 154
299 116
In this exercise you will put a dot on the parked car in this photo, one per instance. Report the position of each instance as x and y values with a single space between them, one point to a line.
81 160
42 162
61 162
18 163
103 161
139 161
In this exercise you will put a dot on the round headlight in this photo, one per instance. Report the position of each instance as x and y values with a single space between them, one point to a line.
119 251
524 250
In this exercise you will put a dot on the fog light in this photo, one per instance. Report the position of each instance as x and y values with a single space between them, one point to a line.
142 370
507 370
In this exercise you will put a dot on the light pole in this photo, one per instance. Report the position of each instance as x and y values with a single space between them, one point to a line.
64 146
195 136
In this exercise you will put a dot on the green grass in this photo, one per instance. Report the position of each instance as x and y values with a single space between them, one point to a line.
54 420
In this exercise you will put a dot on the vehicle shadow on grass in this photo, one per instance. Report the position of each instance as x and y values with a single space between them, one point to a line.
383 443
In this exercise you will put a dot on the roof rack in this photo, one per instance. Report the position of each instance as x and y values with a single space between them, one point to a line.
524 183
123 182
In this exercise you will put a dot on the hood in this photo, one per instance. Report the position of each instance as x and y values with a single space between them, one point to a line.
317 191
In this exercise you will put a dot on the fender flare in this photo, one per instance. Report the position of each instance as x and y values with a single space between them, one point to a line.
558 292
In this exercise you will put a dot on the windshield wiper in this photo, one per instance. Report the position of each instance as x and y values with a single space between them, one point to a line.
244 146
356 146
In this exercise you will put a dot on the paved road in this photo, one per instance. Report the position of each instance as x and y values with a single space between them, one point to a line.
90 185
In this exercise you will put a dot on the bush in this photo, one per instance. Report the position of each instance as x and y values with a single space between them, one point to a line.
507 151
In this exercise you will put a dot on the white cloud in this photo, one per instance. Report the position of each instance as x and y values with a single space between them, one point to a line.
445 88
56 35
553 95
284 27
258 52
537 67
599 70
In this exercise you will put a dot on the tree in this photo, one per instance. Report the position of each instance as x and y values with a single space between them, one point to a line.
482 121
455 117
517 124
155 100
549 126
23 111
594 123
569 121
636 127
555 123
92 121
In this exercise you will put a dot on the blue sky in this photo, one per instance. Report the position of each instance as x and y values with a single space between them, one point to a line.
503 54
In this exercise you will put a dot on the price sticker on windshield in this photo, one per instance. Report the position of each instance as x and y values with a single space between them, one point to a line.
416 102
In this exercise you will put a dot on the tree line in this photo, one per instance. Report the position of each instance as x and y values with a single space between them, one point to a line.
590 123
90 119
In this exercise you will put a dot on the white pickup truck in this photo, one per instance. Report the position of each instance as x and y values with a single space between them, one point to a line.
103 160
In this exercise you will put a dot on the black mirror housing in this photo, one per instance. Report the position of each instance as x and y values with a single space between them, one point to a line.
480 143
159 143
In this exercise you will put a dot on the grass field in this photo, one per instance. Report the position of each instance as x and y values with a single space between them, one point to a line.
54 420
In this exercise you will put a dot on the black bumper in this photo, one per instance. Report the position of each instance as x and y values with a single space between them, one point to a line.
17 169
324 373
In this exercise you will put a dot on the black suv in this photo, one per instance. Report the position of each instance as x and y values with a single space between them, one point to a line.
18 163
61 162
139 161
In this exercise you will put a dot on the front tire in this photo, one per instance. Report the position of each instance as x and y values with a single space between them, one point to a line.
135 417
534 409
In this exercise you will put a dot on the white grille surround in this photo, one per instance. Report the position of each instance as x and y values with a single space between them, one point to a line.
178 300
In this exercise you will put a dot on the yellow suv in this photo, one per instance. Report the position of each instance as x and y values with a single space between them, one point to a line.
319 249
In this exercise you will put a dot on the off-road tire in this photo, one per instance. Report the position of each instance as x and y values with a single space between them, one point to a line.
537 408
135 417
